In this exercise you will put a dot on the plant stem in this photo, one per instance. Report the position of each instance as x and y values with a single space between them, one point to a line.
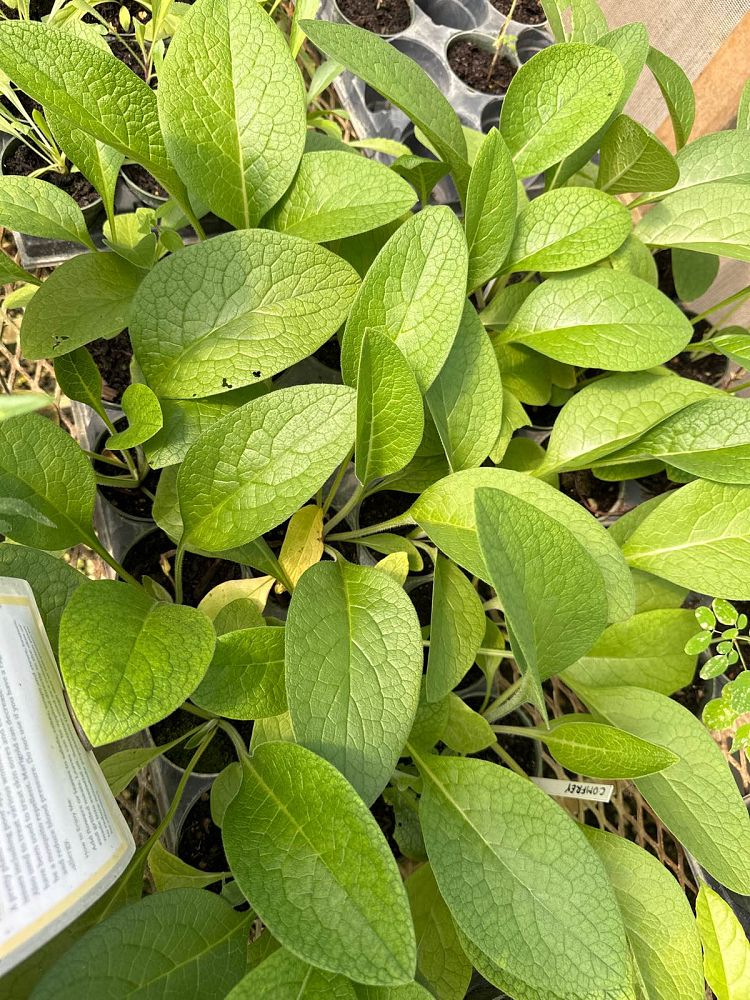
337 482
169 814
500 653
505 756
498 43
350 504
234 736
508 701
178 560
395 522
735 297
201 713
93 543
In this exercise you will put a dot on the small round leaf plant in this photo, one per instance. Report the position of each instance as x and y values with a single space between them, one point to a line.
369 568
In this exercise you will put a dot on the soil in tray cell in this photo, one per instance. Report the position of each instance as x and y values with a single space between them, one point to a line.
24 161
112 358
387 17
473 64
140 176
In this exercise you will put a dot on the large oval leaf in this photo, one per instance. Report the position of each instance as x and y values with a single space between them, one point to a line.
726 949
721 156
521 881
357 706
119 684
283 976
414 294
601 319
457 628
273 452
35 207
236 309
490 209
441 963
308 855
245 679
633 159
605 752
52 580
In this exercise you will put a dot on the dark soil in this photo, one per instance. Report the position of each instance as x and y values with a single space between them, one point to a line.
135 502
386 17
23 161
131 59
26 102
656 484
111 11
384 505
421 598
140 176
473 64
218 754
200 843
112 358
663 261
522 750
385 817
330 353
707 369
527 11
155 551
596 495
695 695
37 10
543 417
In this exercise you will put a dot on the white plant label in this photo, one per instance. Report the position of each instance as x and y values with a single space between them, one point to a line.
575 789
63 840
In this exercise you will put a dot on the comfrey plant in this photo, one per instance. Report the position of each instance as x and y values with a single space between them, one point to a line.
359 707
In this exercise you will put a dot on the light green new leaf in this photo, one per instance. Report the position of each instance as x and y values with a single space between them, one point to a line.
446 512
550 587
170 872
698 538
35 207
659 923
85 298
52 580
400 80
615 411
721 156
542 908
726 951
245 679
121 767
283 976
161 653
414 294
466 398
232 113
605 752
99 163
601 319
567 229
713 218
677 92
316 868
355 708
633 159
634 257
734 343
556 101
491 207
17 404
274 453
514 417
145 419
236 309
390 413
465 730
43 467
77 79
696 798
421 172
505 303
647 650
387 543
80 379
335 195
456 630
693 273
441 964
188 942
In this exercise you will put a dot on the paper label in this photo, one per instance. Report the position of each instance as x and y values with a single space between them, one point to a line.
575 789
63 839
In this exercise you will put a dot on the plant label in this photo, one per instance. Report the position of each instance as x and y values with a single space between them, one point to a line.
63 840
575 789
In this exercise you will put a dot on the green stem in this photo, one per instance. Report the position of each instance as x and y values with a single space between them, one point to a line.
117 482
500 653
506 757
201 713
178 561
735 297
350 504
513 697
93 543
234 736
395 522
169 814
337 482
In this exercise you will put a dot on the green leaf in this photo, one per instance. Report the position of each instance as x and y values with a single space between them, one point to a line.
413 294
37 208
99 163
303 542
634 258
186 940
335 195
587 21
11 272
236 309
466 398
538 905
725 612
693 273
550 587
121 767
601 319
646 651
677 92
274 452
171 872
421 172
466 731
142 409
390 414
85 298
76 79
696 798
726 951
505 303
245 679
302 846
556 101
357 706
408 991
604 752
387 543
401 81
698 538
721 156
490 209
714 666
52 581
283 976
615 411
236 143
633 159
43 466
120 684
441 964
713 218
659 923
567 229
80 379
456 631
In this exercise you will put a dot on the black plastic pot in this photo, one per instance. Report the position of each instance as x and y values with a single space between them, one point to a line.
91 212
146 197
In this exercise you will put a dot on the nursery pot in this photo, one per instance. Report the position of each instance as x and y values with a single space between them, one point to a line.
134 505
451 14
523 19
197 838
148 198
347 11
90 211
475 79
530 41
